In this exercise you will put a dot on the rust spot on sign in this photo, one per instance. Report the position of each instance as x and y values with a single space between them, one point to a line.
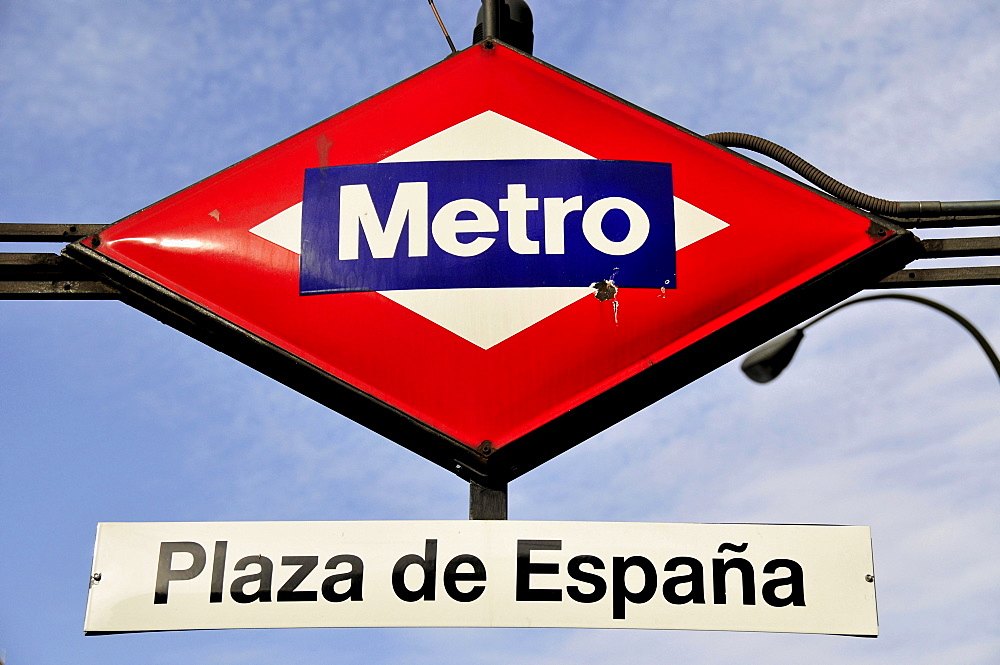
323 145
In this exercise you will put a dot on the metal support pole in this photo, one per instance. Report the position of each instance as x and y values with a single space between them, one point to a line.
491 20
38 276
10 232
487 503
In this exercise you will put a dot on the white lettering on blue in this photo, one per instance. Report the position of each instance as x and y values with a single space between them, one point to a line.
461 227
446 227
638 227
555 222
517 205
358 214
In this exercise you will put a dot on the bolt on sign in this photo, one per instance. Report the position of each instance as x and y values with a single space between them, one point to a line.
492 261
775 578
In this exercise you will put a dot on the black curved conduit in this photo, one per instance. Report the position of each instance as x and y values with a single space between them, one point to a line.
958 318
765 363
905 209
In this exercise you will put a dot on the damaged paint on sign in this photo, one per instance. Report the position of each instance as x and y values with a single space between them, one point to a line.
605 289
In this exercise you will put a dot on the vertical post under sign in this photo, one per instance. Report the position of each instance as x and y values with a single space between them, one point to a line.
487 503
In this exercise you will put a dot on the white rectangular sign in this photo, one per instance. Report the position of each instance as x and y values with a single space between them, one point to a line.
778 578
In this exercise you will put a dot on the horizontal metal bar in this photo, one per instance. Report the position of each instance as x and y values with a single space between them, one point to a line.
28 259
924 277
31 276
960 208
40 266
57 290
951 247
47 232
947 222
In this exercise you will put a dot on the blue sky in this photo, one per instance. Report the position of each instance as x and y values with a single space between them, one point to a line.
887 418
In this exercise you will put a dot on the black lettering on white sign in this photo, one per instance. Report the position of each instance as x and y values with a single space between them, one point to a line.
541 573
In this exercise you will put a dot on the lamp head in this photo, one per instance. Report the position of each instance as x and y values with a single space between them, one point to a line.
766 362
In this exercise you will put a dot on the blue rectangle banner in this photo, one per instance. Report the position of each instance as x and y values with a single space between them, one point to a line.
487 224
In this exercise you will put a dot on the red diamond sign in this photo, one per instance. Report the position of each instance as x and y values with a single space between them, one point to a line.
492 261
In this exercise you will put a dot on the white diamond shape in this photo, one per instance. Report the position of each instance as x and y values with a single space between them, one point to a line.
487 317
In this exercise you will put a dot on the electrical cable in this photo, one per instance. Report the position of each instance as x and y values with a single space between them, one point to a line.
904 209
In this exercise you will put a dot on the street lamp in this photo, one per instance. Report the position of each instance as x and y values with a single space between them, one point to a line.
765 363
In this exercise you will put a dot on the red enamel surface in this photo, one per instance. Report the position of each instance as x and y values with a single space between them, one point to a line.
780 236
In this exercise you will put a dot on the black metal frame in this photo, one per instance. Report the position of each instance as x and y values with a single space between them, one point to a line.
950 248
42 276
95 276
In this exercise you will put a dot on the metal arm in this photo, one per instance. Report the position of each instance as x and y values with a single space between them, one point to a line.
767 362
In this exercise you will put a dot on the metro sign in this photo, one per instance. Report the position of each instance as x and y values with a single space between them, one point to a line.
492 261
